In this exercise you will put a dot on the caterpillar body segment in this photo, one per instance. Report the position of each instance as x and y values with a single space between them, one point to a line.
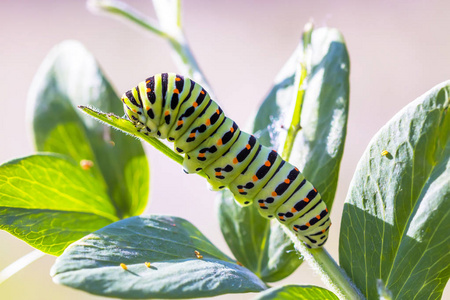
231 164
168 106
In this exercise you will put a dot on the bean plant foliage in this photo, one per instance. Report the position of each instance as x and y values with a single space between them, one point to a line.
81 196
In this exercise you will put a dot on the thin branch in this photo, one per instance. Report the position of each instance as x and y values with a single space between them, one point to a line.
19 264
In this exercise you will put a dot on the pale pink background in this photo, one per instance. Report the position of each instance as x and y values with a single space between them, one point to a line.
398 50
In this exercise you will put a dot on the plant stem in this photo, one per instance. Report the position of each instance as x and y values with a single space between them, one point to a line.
128 127
319 259
20 264
172 33
331 274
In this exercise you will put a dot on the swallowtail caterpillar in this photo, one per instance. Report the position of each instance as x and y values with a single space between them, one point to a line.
169 106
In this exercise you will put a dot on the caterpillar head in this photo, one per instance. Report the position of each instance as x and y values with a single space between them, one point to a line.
132 109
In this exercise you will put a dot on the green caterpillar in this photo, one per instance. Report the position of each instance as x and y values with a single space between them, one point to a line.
168 106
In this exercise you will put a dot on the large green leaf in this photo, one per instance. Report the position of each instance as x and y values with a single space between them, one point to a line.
395 227
317 150
68 77
93 263
296 292
50 202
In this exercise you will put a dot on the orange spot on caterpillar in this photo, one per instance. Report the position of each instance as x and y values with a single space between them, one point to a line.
86 164
295 228
134 110
202 92
267 163
297 170
315 190
219 142
235 160
192 135
147 108
326 209
231 129
248 146
218 111
180 122
149 90
167 113
281 217
274 194
195 104
241 190
306 200
318 217
208 122
123 266
176 91
287 181
148 81
323 230
177 79
201 155
293 210
147 264
307 224
218 173
255 178
262 205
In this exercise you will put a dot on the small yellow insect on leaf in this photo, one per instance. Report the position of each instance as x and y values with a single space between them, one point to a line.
196 252
384 152
147 264
199 256
124 266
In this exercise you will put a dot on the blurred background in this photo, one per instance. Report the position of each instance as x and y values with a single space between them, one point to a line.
398 50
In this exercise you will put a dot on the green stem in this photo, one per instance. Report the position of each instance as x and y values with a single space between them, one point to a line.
126 126
319 259
184 57
331 274
295 127
126 12
20 264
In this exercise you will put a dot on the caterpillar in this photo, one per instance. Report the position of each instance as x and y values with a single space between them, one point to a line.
169 106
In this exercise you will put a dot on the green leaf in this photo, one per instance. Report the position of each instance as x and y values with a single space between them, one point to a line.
93 263
70 76
317 150
319 146
395 227
296 292
260 247
50 202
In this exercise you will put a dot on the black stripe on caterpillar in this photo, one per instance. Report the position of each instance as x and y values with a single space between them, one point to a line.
169 106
